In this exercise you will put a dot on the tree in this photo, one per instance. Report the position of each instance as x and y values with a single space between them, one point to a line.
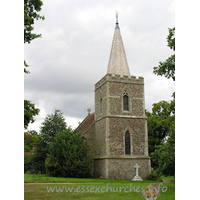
29 141
68 155
33 132
159 124
28 163
40 154
31 13
29 112
167 68
31 10
53 124
164 155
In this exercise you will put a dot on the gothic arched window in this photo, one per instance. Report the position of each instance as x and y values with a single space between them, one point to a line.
127 143
125 101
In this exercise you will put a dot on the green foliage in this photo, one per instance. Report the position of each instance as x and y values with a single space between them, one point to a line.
29 141
159 123
158 129
171 38
31 10
27 148
153 176
27 162
33 132
40 154
164 155
52 167
25 70
167 68
52 124
29 112
68 151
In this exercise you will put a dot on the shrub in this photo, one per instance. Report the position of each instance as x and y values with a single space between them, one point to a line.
52 167
68 152
153 176
27 163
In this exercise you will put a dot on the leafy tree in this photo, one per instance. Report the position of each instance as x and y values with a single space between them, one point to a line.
29 140
164 155
158 129
167 68
171 38
31 13
52 124
33 132
68 155
159 124
40 154
27 163
27 148
29 112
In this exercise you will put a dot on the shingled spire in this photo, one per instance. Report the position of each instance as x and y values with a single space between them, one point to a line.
118 63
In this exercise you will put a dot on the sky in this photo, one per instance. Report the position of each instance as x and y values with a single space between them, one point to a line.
74 51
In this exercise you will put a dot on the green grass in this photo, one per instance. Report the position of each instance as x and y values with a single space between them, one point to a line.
170 178
30 178
79 191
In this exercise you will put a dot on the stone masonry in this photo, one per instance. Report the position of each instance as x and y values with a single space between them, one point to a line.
105 129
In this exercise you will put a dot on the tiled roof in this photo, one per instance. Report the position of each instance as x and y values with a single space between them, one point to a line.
85 124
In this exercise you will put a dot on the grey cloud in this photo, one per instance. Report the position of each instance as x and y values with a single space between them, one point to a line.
73 53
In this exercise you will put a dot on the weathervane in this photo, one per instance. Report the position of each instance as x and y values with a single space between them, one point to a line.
117 23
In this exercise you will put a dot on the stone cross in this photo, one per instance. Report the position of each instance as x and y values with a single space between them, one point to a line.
137 167
137 177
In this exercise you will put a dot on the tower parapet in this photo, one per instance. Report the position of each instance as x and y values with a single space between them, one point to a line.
126 79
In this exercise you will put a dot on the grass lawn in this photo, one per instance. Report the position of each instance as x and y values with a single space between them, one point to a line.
42 187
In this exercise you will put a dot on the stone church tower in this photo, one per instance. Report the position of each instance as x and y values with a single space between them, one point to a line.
117 131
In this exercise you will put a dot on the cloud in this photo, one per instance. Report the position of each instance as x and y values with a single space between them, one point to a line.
74 50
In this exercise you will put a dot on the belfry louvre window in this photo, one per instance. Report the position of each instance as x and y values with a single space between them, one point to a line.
125 101
127 143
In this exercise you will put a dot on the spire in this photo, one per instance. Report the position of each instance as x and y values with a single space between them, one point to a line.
118 63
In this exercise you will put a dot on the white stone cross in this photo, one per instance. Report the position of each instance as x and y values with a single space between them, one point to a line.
137 167
137 177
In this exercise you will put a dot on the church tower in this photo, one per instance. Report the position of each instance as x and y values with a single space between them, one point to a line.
117 132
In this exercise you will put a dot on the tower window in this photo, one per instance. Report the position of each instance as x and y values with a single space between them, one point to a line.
127 143
126 101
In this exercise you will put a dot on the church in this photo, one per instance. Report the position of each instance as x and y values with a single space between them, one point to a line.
116 132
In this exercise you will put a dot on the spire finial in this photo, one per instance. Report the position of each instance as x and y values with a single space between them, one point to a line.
117 23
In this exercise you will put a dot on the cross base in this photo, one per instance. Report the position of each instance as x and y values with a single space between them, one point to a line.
137 178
